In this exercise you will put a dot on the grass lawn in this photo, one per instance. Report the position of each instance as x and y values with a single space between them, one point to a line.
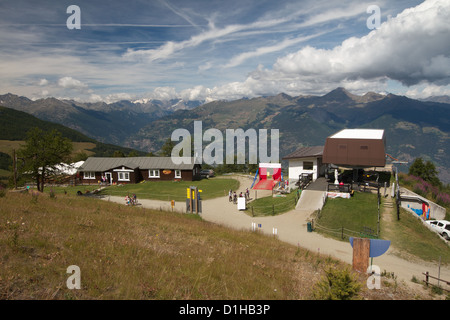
410 237
4 176
160 190
135 253
170 190
352 214
268 206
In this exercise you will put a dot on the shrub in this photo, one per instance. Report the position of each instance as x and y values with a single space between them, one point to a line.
2 192
337 285
443 199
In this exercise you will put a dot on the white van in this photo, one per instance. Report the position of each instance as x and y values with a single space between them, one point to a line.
441 226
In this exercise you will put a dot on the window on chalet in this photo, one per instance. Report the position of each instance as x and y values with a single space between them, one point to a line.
177 173
124 176
89 175
153 173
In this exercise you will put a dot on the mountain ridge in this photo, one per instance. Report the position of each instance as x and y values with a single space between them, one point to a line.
108 123
413 127
15 124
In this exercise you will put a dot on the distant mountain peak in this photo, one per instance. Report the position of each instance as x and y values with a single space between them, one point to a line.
339 94
440 99
284 96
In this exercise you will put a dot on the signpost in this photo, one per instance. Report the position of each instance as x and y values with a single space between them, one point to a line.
193 200
365 248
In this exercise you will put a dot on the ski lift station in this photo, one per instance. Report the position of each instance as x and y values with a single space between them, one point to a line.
348 148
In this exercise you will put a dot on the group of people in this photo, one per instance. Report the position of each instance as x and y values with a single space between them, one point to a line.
131 201
104 180
232 195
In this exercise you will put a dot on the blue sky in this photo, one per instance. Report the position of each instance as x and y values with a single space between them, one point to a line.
222 49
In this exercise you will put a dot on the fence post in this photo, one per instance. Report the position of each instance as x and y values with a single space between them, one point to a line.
426 278
342 232
273 210
439 270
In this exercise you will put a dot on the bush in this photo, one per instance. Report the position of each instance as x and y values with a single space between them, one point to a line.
443 199
427 189
337 285
2 192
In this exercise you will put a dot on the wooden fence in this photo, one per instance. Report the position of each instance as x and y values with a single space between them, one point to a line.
427 280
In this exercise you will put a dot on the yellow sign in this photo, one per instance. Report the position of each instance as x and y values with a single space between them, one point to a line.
188 193
173 203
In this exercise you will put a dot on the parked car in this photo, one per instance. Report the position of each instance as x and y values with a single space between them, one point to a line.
207 173
442 227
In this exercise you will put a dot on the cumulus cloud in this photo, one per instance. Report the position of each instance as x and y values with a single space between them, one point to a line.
410 48
71 83
164 93
218 61
425 91
43 82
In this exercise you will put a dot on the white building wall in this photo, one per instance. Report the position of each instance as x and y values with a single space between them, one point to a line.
296 168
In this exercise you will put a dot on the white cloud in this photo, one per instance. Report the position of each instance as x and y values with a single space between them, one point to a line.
219 61
425 91
71 83
164 93
196 93
117 97
43 82
240 58
410 48
213 33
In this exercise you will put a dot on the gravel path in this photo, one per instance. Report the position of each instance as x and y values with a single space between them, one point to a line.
291 227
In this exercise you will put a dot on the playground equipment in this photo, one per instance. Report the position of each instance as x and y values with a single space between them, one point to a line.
263 173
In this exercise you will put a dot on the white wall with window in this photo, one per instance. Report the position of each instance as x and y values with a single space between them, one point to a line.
304 165
178 174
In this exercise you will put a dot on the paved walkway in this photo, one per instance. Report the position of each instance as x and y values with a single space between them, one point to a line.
292 228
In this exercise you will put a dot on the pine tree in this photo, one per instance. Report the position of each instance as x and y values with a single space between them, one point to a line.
41 154
425 170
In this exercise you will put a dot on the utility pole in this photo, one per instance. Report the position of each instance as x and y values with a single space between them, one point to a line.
397 186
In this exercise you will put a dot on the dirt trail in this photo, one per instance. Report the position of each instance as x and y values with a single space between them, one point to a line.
291 227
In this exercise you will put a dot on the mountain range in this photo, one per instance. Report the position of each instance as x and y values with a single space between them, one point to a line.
15 124
414 128
109 123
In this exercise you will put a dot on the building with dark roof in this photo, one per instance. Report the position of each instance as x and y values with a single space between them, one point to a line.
306 160
136 169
